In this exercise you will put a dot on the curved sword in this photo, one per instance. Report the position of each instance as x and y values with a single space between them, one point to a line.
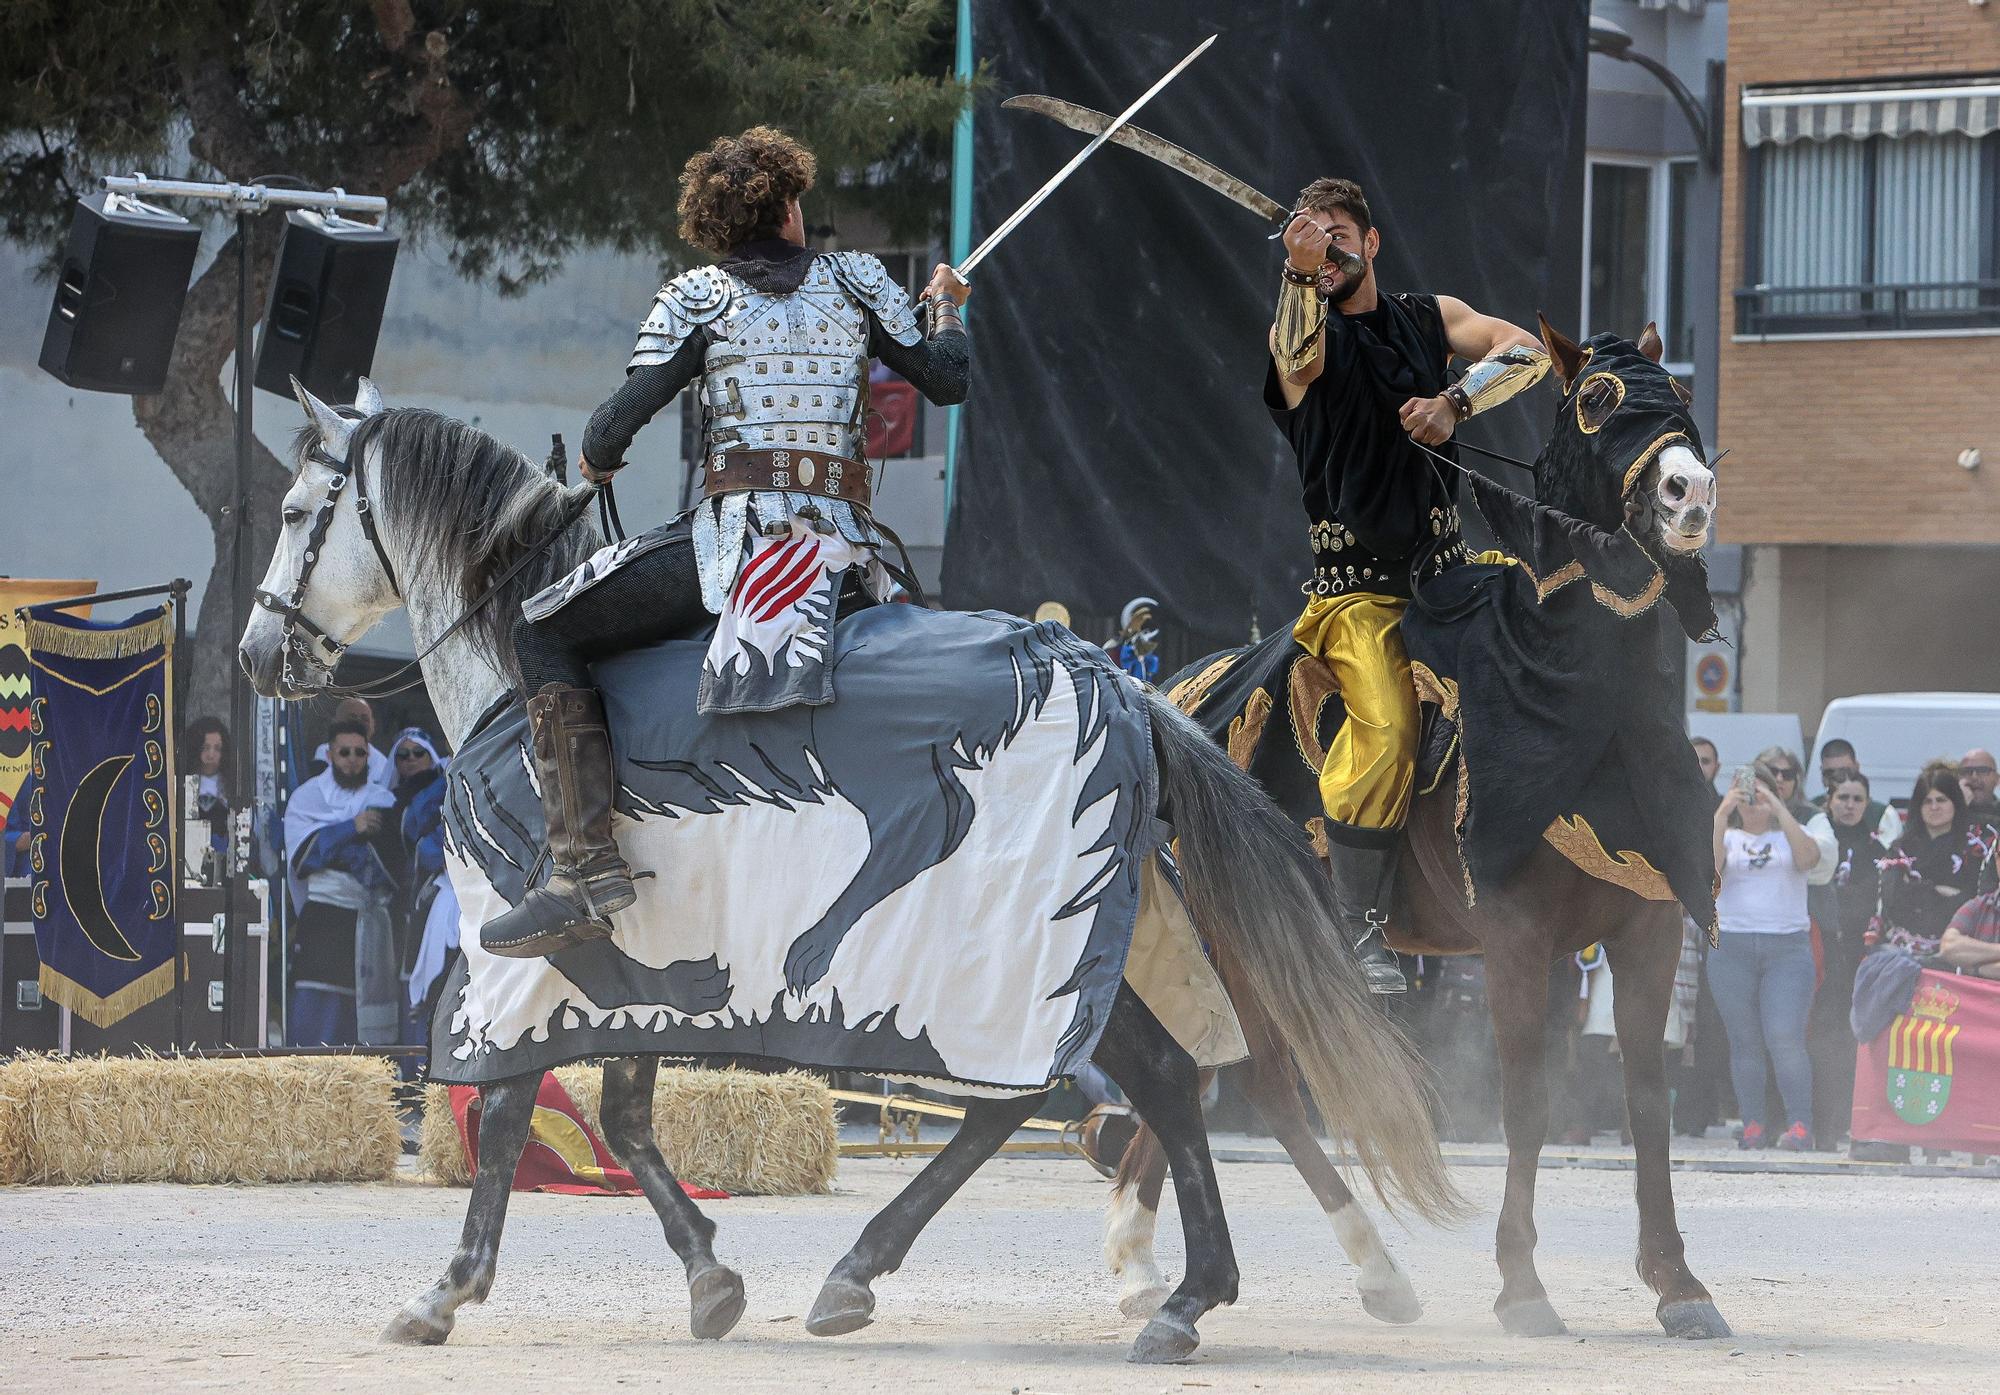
1113 125
1096 123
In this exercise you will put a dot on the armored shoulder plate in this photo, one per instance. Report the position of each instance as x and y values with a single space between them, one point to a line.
865 277
690 300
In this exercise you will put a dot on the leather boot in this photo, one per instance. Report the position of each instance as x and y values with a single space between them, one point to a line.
1364 886
589 879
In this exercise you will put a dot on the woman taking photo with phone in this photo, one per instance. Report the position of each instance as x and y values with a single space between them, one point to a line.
1761 972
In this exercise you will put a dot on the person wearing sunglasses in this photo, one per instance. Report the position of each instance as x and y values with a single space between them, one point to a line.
1976 779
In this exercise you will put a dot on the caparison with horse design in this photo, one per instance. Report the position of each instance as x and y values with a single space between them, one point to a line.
1086 769
1560 806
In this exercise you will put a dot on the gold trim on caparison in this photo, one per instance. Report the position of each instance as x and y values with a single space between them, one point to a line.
1573 837
1585 427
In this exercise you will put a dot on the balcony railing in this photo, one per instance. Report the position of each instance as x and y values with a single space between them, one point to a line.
1882 308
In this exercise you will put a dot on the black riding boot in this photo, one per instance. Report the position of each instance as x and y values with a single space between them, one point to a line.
589 880
1364 887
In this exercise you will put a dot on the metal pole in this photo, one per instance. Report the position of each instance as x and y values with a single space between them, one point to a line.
239 596
177 863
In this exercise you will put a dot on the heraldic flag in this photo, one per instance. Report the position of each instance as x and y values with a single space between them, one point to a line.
1933 1077
101 812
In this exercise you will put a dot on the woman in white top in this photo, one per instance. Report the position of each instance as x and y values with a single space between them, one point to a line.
1762 971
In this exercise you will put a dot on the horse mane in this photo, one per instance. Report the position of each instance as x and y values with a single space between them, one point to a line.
463 507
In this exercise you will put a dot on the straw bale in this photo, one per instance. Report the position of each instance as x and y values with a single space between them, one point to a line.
158 1119
736 1130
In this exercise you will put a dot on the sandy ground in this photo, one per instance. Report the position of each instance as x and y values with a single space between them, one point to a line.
1832 1283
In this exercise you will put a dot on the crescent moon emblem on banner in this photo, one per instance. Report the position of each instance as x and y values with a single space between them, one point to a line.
78 857
152 713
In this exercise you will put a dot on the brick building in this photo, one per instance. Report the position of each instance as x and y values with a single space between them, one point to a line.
1859 382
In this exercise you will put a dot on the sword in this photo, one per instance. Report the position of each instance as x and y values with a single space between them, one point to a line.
1109 131
1096 123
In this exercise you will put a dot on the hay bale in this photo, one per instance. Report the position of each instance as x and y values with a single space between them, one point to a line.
439 1152
156 1119
737 1130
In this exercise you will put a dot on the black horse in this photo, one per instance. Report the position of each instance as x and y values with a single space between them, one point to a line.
1562 807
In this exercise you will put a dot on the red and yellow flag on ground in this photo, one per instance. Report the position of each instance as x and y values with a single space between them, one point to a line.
1933 1078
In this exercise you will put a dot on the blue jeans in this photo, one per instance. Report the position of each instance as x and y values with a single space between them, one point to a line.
1763 986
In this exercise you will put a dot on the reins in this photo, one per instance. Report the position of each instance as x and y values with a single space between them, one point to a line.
289 608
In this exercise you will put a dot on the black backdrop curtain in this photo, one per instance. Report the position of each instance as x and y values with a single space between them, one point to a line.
1115 443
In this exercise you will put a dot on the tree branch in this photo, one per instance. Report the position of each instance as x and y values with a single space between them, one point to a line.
222 134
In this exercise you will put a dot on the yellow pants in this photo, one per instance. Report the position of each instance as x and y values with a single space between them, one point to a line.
1371 762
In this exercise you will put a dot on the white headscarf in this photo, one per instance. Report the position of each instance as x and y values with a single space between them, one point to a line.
416 736
320 803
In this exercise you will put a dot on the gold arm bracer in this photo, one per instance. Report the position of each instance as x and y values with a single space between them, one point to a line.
1299 325
1496 378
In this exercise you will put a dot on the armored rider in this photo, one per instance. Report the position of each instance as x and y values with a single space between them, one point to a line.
1356 376
776 338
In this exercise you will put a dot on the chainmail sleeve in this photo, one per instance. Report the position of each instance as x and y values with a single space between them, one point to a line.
638 400
939 367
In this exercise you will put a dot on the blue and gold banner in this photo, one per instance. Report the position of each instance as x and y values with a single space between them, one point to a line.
101 813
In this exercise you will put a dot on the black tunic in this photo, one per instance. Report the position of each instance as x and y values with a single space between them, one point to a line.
1358 468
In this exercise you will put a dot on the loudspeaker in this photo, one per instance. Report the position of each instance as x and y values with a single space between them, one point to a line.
326 305
118 296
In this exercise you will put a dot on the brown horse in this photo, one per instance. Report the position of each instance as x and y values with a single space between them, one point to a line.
1634 435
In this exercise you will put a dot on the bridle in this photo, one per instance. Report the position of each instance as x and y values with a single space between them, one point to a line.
305 644
317 653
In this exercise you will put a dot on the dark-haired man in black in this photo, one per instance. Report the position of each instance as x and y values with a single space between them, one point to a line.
1358 378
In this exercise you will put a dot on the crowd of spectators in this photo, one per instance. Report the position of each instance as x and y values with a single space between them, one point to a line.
1805 892
375 921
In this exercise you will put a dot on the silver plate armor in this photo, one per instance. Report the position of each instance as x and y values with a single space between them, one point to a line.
780 370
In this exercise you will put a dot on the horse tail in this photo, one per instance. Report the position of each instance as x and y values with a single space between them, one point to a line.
1254 887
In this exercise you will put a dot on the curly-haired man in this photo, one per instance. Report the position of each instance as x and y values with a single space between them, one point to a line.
776 338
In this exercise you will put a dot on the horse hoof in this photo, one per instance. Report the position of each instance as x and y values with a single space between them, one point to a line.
416 1329
1535 1318
1144 1301
1695 1319
1392 1300
715 1302
1163 1341
842 1306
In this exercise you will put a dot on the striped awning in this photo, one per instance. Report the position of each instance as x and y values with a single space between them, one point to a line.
1780 116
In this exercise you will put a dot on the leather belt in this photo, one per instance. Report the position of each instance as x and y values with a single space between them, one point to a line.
793 471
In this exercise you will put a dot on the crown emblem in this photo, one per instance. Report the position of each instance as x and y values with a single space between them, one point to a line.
1934 1002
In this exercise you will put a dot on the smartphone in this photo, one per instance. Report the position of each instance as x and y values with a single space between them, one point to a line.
1744 782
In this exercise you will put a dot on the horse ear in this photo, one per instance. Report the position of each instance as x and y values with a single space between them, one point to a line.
333 428
1649 342
368 398
1565 353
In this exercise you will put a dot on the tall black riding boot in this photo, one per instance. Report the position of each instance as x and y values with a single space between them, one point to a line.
1364 887
590 879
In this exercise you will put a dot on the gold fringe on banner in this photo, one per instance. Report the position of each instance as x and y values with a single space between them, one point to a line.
128 641
103 1012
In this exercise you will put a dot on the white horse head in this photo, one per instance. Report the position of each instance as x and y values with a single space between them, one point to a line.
326 584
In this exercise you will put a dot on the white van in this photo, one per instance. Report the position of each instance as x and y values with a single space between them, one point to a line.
1896 735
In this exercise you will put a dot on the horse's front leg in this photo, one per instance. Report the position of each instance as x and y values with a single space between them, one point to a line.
1130 1222
715 1291
1517 994
847 1300
506 1111
1645 957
